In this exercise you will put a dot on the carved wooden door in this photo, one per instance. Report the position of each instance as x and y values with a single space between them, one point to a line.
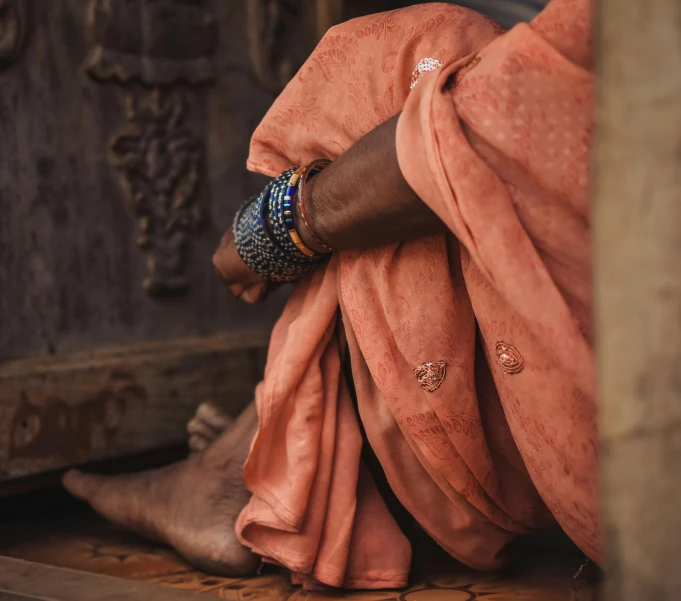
124 129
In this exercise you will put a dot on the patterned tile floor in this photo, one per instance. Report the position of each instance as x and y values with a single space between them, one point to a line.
85 543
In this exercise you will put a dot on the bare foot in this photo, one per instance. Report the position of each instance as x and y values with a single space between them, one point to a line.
191 505
208 423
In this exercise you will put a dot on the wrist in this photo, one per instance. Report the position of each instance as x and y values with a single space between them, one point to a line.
304 223
262 234
305 210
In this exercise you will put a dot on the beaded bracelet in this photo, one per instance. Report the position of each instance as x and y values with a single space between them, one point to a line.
275 207
263 236
310 170
289 213
256 247
282 215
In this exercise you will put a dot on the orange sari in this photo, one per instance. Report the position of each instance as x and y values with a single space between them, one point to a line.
496 142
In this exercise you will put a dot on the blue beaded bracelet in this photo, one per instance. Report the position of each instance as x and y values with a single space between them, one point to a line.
288 210
262 237
257 249
277 218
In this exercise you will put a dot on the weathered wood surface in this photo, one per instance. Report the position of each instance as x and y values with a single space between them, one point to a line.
60 411
124 130
637 229
71 272
24 580
95 200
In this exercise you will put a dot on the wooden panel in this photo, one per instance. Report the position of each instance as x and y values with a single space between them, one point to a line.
124 131
111 190
71 271
56 412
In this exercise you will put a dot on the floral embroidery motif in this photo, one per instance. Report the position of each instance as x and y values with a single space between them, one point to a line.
430 375
509 358
423 66
371 84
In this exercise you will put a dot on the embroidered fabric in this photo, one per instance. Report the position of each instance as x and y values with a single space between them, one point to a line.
423 66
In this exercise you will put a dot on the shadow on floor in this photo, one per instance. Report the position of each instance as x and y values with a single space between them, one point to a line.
51 528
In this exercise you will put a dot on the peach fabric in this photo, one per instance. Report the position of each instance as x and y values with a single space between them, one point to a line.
496 143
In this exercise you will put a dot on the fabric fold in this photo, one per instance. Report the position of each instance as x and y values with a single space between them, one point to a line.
496 143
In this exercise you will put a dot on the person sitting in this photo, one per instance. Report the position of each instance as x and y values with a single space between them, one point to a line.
430 200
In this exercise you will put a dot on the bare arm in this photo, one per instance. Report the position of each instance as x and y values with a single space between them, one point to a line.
362 200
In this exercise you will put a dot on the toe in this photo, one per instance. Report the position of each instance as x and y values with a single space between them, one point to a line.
83 486
213 416
139 502
197 427
198 443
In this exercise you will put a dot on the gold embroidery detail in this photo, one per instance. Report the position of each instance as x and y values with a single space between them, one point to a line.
423 66
508 357
430 375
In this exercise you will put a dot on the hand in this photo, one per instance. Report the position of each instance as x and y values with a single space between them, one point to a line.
243 283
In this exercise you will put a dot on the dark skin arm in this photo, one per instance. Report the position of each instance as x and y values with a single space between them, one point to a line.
361 200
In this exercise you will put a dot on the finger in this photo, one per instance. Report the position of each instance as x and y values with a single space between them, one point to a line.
226 241
228 262
254 294
237 289
221 257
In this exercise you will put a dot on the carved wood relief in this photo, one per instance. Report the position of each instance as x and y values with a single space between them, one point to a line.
159 44
13 28
159 160
162 45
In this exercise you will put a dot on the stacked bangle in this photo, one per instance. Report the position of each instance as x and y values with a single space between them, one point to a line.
289 212
275 211
265 231
256 246
310 170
